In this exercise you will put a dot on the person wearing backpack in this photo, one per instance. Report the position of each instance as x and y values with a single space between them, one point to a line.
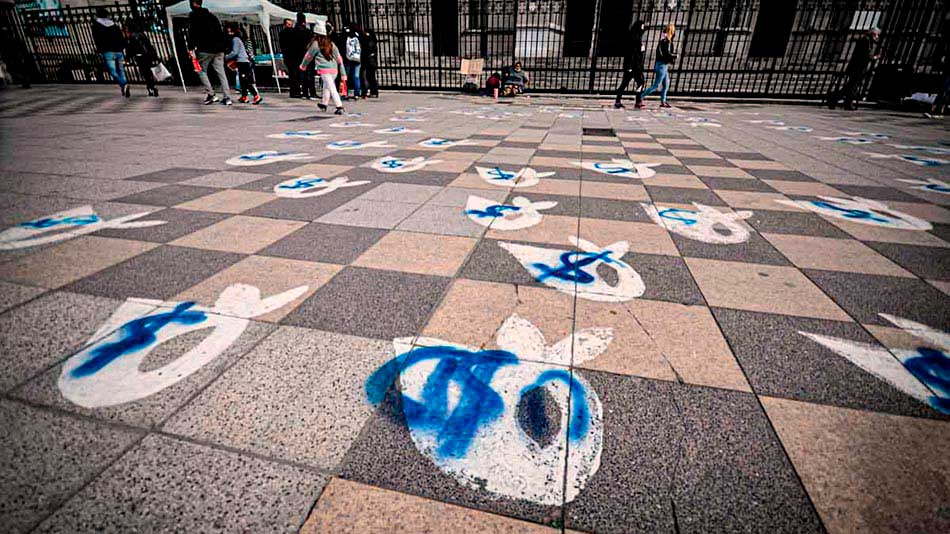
353 56
665 56
206 35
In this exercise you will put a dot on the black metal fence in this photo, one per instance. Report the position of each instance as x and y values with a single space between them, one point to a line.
780 48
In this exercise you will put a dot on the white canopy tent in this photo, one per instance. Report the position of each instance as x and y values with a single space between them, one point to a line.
251 11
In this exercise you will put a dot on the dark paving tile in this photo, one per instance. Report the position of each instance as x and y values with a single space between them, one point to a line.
172 175
742 155
755 250
666 278
932 263
684 195
864 296
789 176
498 137
736 184
492 263
706 162
371 303
437 178
471 149
178 223
648 152
780 362
877 193
668 168
328 243
568 206
409 153
614 210
516 144
572 154
942 231
346 160
264 185
159 273
796 223
278 167
308 209
168 195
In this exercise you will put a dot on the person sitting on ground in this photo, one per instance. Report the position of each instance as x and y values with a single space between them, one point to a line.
244 64
516 80
328 61
111 44
493 82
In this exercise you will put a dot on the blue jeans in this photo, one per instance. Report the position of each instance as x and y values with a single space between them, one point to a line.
353 73
115 62
662 78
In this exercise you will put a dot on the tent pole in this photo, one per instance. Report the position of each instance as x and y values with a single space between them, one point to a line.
171 35
270 48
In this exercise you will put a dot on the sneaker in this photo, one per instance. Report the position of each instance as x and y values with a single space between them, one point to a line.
618 105
258 99
127 91
638 105
322 107
227 101
244 100
210 99
665 105
312 98
339 111
933 115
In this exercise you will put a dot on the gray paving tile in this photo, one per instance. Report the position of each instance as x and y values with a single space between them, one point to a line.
684 195
172 175
780 362
225 179
400 192
371 303
442 220
309 401
877 193
788 176
178 223
369 214
44 457
458 196
491 263
159 273
755 250
666 278
175 486
796 223
327 243
168 195
736 184
926 262
307 209
12 295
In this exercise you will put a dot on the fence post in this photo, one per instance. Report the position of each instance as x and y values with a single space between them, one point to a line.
594 45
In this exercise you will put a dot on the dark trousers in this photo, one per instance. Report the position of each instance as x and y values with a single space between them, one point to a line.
308 82
246 75
635 74
850 90
145 70
293 75
370 85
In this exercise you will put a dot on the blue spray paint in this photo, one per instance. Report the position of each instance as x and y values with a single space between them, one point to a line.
47 222
851 213
265 155
580 413
673 215
302 183
392 163
346 143
136 335
498 174
926 162
571 271
610 168
932 368
493 211
937 187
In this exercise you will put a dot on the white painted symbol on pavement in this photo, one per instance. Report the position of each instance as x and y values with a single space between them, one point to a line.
771 122
438 142
265 157
623 168
937 150
408 119
312 186
67 225
931 184
351 124
299 134
356 145
860 210
525 177
396 130
107 372
706 224
520 214
804 129
848 140
567 270
703 121
878 136
911 158
398 165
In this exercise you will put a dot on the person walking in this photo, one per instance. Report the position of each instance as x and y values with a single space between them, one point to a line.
370 61
290 49
111 44
633 65
206 35
665 56
245 67
327 59
140 48
859 66
354 53
942 54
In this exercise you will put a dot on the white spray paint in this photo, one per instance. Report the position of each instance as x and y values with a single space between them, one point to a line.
804 129
871 135
349 144
860 210
848 140
703 224
66 225
313 186
300 134
520 214
351 124
571 271
771 122
391 164
438 142
408 119
937 150
703 121
623 168
265 157
910 158
396 130
932 185
525 177
120 380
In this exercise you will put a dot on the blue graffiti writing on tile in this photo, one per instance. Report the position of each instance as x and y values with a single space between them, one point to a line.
580 412
393 163
675 214
439 142
498 174
493 211
932 368
926 162
611 169
573 271
851 213
303 133
478 404
302 183
47 222
940 188
136 335
262 156
346 143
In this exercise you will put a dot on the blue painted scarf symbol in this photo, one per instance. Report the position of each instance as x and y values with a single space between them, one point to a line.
497 210
850 213
302 183
47 222
673 214
573 271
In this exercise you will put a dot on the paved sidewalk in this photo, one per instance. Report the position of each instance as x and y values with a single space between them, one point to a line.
438 313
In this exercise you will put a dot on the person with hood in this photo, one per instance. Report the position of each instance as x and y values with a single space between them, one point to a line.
328 61
370 59
865 52
111 44
665 56
140 48
633 64
207 37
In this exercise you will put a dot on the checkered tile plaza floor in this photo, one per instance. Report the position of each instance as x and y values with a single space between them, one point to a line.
747 330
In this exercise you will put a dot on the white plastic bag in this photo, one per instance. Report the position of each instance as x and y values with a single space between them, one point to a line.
160 72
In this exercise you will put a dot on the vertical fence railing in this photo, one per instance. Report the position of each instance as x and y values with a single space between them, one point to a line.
784 48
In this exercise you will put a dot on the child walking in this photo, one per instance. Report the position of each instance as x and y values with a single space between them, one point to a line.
328 61
241 55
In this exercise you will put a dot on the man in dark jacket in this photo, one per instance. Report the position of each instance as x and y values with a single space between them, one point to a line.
633 64
111 44
288 49
865 52
370 61
209 42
